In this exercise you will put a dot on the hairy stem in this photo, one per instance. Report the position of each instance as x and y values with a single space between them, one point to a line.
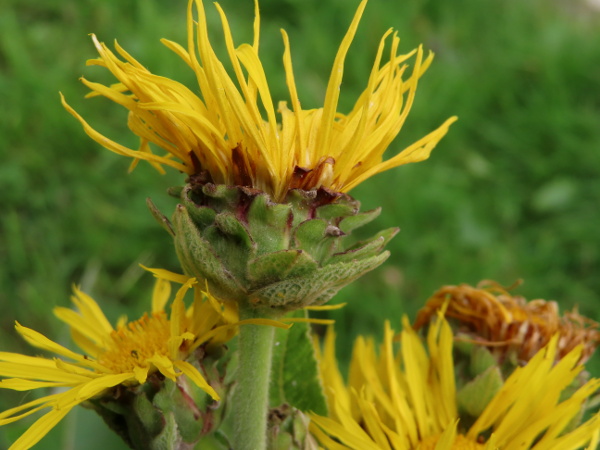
251 396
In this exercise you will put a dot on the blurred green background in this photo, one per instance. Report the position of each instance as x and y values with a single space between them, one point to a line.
512 192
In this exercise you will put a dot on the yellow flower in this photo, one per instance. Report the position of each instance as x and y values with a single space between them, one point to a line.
231 134
124 355
508 324
407 399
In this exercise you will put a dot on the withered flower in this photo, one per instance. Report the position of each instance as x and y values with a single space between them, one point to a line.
489 315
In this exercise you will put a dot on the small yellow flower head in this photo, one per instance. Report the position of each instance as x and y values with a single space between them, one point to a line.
155 347
508 324
233 134
406 398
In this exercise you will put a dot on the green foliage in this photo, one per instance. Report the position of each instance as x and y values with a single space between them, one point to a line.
295 375
475 395
187 420
511 192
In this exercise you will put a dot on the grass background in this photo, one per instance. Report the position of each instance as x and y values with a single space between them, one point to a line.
512 192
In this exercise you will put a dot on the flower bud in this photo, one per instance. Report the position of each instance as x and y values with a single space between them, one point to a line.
277 256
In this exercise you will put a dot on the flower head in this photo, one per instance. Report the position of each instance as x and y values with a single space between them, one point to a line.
231 134
508 324
156 345
407 399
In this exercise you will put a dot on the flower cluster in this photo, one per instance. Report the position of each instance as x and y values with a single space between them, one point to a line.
263 230
407 399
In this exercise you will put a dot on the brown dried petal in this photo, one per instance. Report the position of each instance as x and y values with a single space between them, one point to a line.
506 324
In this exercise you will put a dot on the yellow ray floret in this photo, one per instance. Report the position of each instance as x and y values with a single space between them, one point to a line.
407 400
232 133
124 355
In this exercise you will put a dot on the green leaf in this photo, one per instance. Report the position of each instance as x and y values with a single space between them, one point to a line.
474 396
230 241
386 234
175 191
316 288
172 401
223 197
273 267
151 419
269 224
202 216
334 211
199 259
481 360
358 220
295 374
302 204
309 233
230 225
162 220
169 438
317 237
365 249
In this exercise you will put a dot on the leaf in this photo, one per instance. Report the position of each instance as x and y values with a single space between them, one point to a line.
230 241
175 191
319 238
169 438
365 249
162 220
334 211
173 402
358 220
295 373
386 234
200 260
474 396
481 360
230 225
202 216
151 419
269 224
222 197
277 266
309 233
316 288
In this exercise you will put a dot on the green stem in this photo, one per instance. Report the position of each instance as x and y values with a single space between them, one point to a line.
251 396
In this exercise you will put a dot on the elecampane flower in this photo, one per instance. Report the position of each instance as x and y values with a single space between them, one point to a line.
123 355
407 399
231 133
